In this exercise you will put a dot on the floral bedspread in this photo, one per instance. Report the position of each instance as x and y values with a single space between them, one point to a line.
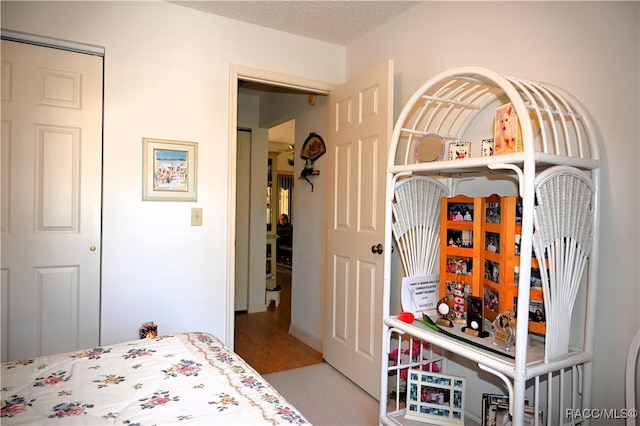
188 378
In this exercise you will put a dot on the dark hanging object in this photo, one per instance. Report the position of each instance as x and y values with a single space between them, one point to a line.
312 149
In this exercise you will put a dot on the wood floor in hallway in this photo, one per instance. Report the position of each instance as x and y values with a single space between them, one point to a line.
263 340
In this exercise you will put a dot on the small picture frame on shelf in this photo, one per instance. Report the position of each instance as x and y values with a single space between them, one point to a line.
487 147
491 302
459 150
506 132
536 311
435 398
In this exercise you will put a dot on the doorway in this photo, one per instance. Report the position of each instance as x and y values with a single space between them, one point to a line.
268 327
310 219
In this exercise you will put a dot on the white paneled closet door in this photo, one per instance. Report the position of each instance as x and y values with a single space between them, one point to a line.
51 199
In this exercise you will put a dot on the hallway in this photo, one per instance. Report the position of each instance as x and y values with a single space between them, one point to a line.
263 340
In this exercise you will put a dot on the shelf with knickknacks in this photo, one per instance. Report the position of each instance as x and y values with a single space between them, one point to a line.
545 257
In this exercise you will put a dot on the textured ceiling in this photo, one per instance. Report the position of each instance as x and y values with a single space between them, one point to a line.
339 22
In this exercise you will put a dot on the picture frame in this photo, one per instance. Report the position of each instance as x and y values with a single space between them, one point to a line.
169 171
492 242
487 149
492 271
491 302
459 150
460 212
462 264
492 212
507 134
462 238
435 398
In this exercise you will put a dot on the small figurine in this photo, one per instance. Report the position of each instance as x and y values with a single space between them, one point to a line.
149 330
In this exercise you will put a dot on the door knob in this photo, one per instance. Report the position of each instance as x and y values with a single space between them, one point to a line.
92 248
376 248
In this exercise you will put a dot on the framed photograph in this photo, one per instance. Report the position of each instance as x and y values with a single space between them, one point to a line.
459 150
536 278
460 238
460 264
536 311
492 242
169 170
491 302
460 212
492 212
487 147
492 271
507 134
435 398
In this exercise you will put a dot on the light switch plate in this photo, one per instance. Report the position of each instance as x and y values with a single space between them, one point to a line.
196 216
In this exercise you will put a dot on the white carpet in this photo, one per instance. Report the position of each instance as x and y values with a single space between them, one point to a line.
326 397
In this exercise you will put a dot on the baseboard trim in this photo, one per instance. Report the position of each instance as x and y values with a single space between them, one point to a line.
305 338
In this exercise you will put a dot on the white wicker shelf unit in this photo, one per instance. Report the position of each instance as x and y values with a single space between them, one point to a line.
558 136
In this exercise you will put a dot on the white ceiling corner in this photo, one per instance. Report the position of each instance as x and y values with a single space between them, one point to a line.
338 22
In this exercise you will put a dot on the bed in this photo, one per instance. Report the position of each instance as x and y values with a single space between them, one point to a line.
185 378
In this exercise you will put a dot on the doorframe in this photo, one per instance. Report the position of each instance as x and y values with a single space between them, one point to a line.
236 73
52 42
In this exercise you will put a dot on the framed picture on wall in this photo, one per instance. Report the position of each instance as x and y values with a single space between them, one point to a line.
169 170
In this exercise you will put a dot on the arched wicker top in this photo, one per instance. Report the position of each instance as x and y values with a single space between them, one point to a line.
459 105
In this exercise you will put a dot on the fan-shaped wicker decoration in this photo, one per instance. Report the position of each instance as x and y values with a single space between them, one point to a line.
416 223
563 220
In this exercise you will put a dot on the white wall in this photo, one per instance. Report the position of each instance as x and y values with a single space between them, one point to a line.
167 76
591 49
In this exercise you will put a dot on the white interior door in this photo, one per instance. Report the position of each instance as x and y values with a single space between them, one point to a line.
360 127
51 199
